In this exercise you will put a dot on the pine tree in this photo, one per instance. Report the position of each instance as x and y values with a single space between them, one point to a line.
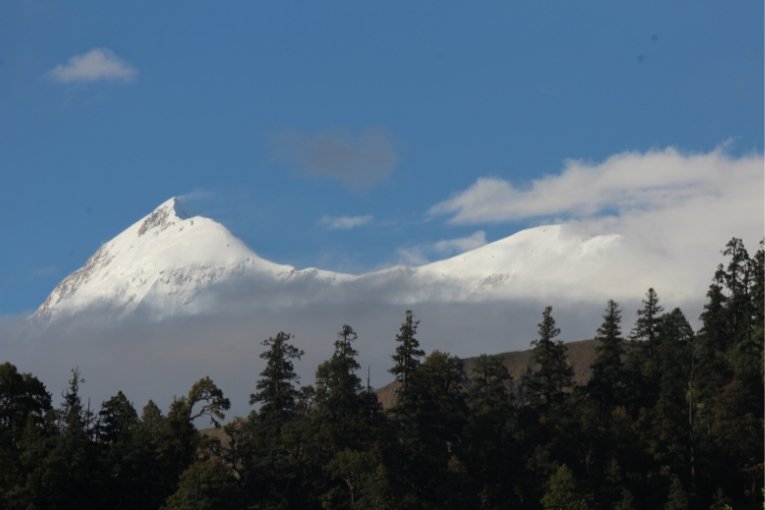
408 353
563 492
22 397
25 405
431 418
490 451
277 393
127 457
70 471
273 450
552 374
715 332
757 291
207 484
738 278
336 380
116 419
674 411
345 419
647 324
677 499
643 370
607 383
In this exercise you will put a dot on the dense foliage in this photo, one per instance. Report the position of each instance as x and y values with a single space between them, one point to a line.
669 418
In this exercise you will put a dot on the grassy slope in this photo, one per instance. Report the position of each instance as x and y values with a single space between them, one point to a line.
581 354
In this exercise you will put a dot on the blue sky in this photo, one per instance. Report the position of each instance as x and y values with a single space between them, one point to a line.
281 118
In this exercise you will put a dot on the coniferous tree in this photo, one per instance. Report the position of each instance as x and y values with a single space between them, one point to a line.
345 419
715 337
563 492
490 451
116 419
552 374
337 384
25 407
673 415
277 393
687 432
607 382
757 292
273 458
207 484
70 478
647 324
408 353
22 397
431 420
737 277
179 440
643 369
677 499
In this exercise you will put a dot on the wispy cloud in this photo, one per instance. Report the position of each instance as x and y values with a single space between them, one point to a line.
196 195
357 161
412 255
461 244
424 253
672 212
99 64
622 184
344 222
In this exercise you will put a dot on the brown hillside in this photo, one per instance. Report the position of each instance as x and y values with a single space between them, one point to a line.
581 354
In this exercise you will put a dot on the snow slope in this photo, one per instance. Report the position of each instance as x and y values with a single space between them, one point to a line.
163 261
169 264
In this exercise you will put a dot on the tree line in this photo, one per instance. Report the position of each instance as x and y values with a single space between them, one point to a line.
670 418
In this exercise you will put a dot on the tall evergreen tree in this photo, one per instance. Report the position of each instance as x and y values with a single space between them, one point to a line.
431 418
273 453
25 406
757 292
715 328
408 353
738 278
337 383
277 393
71 479
673 413
345 421
552 374
127 457
643 369
647 324
490 452
607 382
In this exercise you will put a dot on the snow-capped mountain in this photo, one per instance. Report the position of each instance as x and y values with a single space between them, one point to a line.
169 263
162 263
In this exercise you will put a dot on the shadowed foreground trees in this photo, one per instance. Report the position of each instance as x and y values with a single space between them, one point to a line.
670 418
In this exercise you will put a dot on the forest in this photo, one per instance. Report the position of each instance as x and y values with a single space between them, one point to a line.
669 418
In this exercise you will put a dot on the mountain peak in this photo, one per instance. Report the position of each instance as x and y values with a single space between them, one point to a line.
166 257
165 215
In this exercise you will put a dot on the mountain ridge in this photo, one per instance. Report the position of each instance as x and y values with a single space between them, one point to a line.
171 263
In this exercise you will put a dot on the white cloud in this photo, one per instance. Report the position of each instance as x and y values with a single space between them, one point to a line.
672 212
344 222
626 183
99 64
424 253
196 195
412 255
461 244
